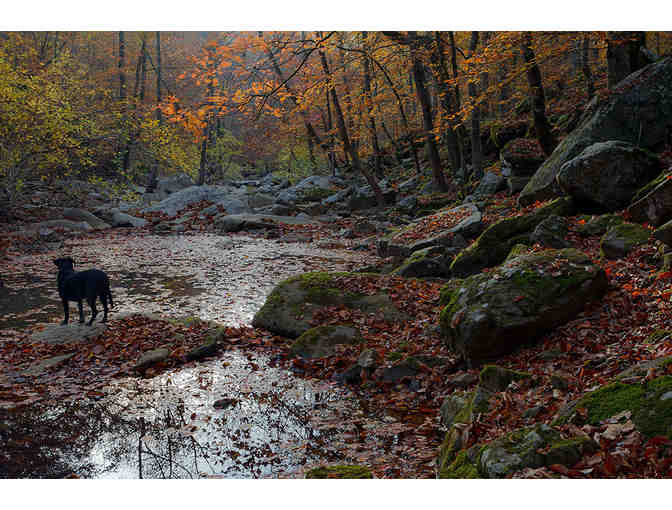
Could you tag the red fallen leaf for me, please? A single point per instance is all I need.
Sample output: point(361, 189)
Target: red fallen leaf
point(518, 298)
point(559, 468)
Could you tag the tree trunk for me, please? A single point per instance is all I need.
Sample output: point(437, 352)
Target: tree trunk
point(623, 55)
point(347, 146)
point(585, 66)
point(461, 130)
point(143, 67)
point(369, 110)
point(541, 125)
point(126, 152)
point(418, 71)
point(476, 148)
point(441, 80)
point(158, 75)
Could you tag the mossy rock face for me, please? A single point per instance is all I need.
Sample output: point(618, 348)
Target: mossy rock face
point(461, 407)
point(322, 340)
point(606, 175)
point(638, 110)
point(491, 314)
point(622, 238)
point(597, 225)
point(495, 378)
point(517, 450)
point(350, 472)
point(493, 245)
point(664, 233)
point(653, 203)
point(650, 403)
point(292, 304)
point(551, 233)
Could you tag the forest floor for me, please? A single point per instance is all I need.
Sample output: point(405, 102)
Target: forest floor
point(391, 427)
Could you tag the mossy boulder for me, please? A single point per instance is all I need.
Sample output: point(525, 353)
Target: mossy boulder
point(530, 447)
point(622, 238)
point(653, 203)
point(292, 304)
point(597, 225)
point(496, 378)
point(606, 175)
point(322, 340)
point(344, 472)
point(493, 245)
point(638, 110)
point(462, 407)
point(521, 157)
point(650, 403)
point(491, 314)
point(463, 222)
point(551, 233)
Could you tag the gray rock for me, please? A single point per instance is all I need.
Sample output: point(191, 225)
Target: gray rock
point(607, 175)
point(232, 201)
point(120, 219)
point(39, 367)
point(490, 184)
point(638, 110)
point(664, 233)
point(168, 185)
point(238, 222)
point(400, 244)
point(364, 198)
point(80, 215)
point(408, 367)
point(516, 184)
point(153, 357)
point(322, 340)
point(622, 238)
point(73, 333)
point(81, 226)
point(551, 233)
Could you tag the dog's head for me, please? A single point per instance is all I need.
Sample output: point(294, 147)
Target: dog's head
point(65, 264)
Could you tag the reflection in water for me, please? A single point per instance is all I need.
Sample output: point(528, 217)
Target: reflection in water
point(169, 426)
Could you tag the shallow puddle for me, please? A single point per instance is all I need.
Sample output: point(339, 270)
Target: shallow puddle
point(232, 417)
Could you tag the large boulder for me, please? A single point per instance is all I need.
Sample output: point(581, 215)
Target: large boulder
point(233, 202)
point(365, 198)
point(490, 184)
point(79, 215)
point(653, 203)
point(292, 304)
point(489, 315)
point(239, 222)
point(521, 158)
point(448, 229)
point(606, 175)
point(638, 110)
point(172, 184)
point(311, 189)
point(496, 242)
point(622, 238)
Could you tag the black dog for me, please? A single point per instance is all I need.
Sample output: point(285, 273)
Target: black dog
point(83, 285)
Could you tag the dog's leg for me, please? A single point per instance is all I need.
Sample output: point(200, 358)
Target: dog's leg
point(103, 299)
point(66, 312)
point(80, 305)
point(92, 305)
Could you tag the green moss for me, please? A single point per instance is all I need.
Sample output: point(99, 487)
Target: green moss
point(343, 472)
point(496, 378)
point(394, 356)
point(517, 250)
point(651, 414)
point(461, 467)
point(657, 336)
point(645, 190)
